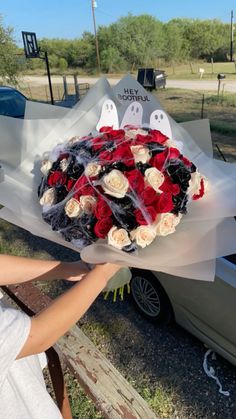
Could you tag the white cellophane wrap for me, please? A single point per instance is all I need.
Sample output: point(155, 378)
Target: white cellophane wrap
point(206, 232)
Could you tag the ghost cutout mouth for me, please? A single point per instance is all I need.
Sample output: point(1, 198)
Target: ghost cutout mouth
point(109, 116)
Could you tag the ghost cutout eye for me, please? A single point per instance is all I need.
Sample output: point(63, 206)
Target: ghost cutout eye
point(162, 116)
point(111, 106)
point(132, 108)
point(107, 106)
point(156, 116)
point(137, 110)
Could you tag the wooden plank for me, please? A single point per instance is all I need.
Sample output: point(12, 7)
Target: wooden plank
point(109, 390)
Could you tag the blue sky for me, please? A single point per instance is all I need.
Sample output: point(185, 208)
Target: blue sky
point(69, 19)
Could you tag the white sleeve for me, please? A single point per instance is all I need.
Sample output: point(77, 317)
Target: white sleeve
point(14, 331)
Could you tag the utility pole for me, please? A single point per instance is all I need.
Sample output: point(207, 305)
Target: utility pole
point(94, 4)
point(232, 37)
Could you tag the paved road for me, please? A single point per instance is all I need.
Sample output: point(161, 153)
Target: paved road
point(204, 85)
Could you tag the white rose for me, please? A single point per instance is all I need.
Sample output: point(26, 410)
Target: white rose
point(118, 237)
point(64, 163)
point(140, 153)
point(46, 166)
point(154, 178)
point(73, 208)
point(143, 235)
point(165, 223)
point(115, 184)
point(195, 183)
point(73, 140)
point(48, 197)
point(87, 203)
point(92, 169)
point(132, 133)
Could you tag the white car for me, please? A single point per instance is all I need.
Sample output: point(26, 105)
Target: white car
point(206, 309)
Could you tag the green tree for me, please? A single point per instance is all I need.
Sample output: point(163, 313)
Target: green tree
point(139, 39)
point(62, 64)
point(9, 63)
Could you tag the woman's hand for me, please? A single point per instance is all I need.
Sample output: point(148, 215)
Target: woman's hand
point(75, 271)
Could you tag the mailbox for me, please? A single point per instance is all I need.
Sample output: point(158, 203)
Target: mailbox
point(220, 76)
point(151, 78)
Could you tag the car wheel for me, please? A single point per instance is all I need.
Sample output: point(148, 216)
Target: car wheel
point(150, 297)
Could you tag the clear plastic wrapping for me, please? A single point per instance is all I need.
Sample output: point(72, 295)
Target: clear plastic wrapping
point(205, 232)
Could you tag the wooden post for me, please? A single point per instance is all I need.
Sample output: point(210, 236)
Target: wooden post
point(203, 102)
point(218, 91)
point(212, 65)
point(77, 94)
point(191, 67)
point(65, 88)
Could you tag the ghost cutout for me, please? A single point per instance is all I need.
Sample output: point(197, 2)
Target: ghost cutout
point(133, 115)
point(159, 121)
point(109, 116)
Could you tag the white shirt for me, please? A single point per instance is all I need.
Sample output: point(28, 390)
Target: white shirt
point(23, 393)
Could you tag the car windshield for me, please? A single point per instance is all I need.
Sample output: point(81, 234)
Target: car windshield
point(12, 104)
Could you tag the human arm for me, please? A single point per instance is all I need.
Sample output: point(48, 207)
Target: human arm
point(15, 270)
point(50, 324)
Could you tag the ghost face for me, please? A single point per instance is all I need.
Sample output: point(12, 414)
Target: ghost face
point(160, 122)
point(133, 115)
point(109, 116)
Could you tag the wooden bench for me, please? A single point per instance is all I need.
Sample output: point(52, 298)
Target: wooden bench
point(109, 390)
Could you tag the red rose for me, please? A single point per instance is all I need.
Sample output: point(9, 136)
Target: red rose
point(173, 153)
point(102, 227)
point(116, 134)
point(83, 187)
point(186, 161)
point(149, 195)
point(63, 156)
point(159, 160)
point(57, 178)
point(123, 154)
point(136, 181)
point(164, 203)
point(142, 139)
point(148, 217)
point(102, 209)
point(201, 191)
point(169, 186)
point(106, 129)
point(97, 143)
point(157, 136)
point(70, 184)
point(105, 156)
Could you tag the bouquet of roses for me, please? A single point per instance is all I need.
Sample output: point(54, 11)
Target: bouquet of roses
point(127, 186)
point(118, 193)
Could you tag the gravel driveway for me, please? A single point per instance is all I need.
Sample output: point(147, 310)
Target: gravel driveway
point(203, 85)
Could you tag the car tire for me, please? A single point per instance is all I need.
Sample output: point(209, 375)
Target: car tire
point(149, 297)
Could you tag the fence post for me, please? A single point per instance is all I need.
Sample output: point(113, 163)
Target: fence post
point(203, 102)
point(65, 87)
point(76, 87)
